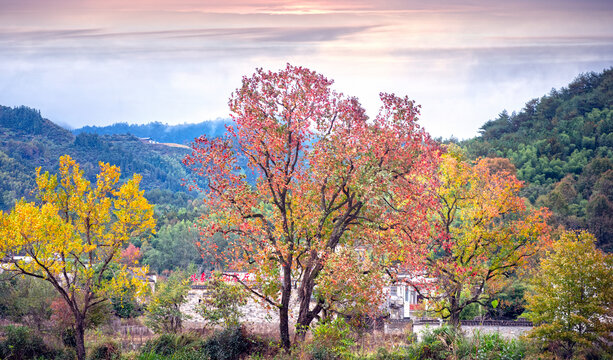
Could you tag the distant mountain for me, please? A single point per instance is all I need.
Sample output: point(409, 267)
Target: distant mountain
point(27, 141)
point(562, 147)
point(162, 133)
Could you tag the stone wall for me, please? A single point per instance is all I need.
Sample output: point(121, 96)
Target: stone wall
point(508, 329)
point(509, 332)
point(256, 314)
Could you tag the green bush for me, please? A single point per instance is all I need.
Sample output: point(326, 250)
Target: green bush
point(22, 343)
point(436, 344)
point(181, 355)
point(322, 353)
point(125, 307)
point(331, 339)
point(161, 345)
point(446, 343)
point(222, 303)
point(163, 313)
point(228, 344)
point(69, 338)
point(384, 354)
point(169, 344)
point(107, 350)
point(495, 347)
point(65, 354)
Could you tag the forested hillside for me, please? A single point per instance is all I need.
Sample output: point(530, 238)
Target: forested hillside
point(164, 133)
point(562, 146)
point(28, 141)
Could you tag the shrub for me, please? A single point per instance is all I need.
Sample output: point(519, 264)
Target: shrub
point(222, 303)
point(181, 355)
point(125, 308)
point(228, 344)
point(331, 339)
point(436, 344)
point(65, 354)
point(163, 313)
point(69, 337)
point(107, 350)
point(161, 345)
point(168, 344)
point(25, 300)
point(494, 346)
point(485, 346)
point(22, 343)
point(446, 343)
point(384, 354)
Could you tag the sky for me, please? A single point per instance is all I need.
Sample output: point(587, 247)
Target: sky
point(97, 62)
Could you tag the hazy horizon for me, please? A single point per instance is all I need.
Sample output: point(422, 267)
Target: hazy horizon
point(93, 62)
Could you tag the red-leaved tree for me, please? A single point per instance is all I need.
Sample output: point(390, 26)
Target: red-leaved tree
point(336, 196)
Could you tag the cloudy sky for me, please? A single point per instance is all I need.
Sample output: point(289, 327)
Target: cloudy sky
point(96, 62)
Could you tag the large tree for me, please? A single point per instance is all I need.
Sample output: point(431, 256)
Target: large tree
point(482, 231)
point(327, 180)
point(73, 237)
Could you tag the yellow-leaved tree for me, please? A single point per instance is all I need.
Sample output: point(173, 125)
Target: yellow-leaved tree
point(73, 235)
point(483, 232)
point(571, 299)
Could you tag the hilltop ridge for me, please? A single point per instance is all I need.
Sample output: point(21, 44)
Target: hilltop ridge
point(182, 134)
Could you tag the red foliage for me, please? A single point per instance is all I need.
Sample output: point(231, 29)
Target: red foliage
point(131, 255)
point(327, 179)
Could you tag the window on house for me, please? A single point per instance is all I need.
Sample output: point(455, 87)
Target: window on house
point(393, 291)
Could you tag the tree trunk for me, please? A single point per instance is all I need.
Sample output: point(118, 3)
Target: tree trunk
point(284, 327)
point(305, 315)
point(80, 338)
point(454, 319)
point(303, 322)
point(286, 292)
point(302, 326)
point(301, 329)
point(454, 312)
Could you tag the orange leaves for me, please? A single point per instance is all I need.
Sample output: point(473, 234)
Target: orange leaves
point(352, 282)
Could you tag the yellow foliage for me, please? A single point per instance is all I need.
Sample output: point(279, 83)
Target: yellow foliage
point(483, 231)
point(74, 234)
